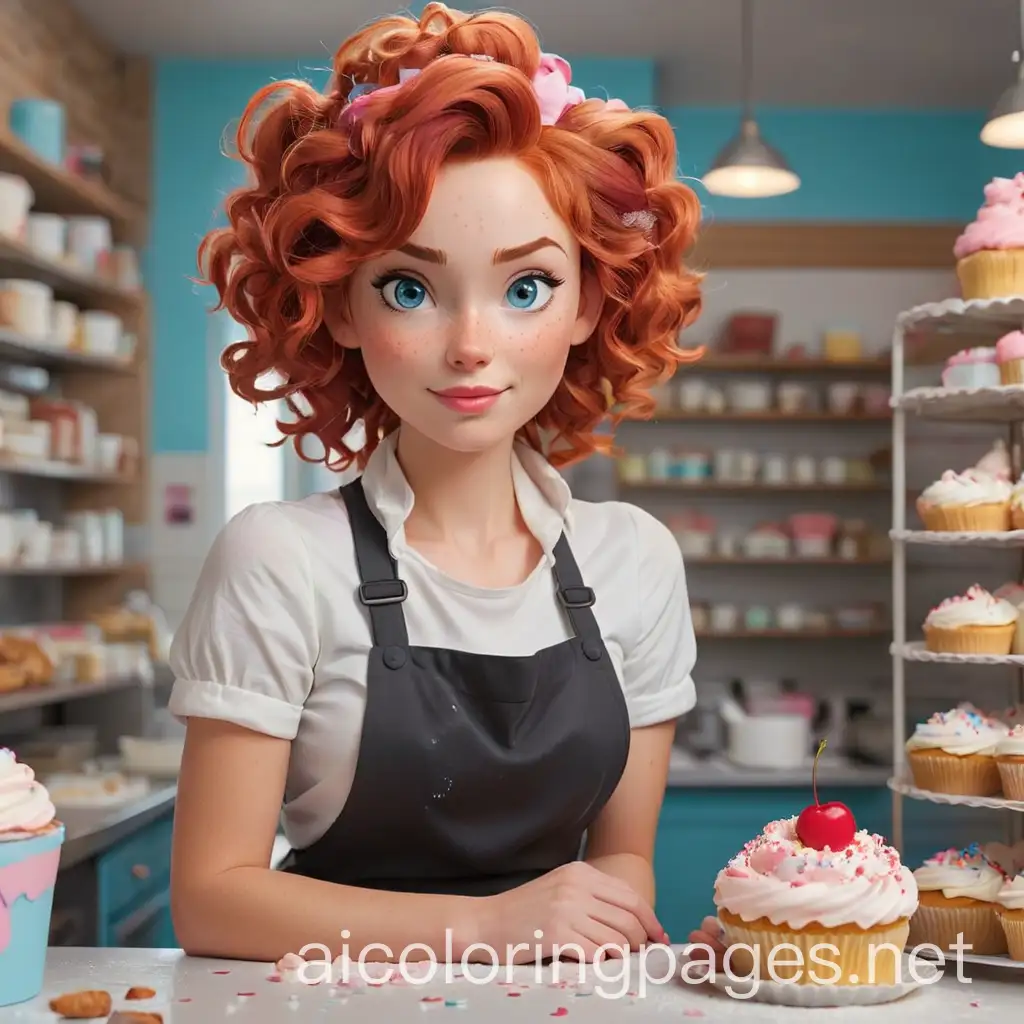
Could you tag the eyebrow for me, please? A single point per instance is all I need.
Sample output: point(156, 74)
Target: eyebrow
point(428, 255)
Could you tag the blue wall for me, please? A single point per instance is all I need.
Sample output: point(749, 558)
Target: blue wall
point(855, 165)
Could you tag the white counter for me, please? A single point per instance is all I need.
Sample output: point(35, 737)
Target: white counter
point(200, 991)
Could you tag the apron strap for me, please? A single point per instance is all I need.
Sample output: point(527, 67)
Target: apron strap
point(380, 588)
point(577, 600)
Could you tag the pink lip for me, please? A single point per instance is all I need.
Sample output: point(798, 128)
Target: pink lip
point(468, 400)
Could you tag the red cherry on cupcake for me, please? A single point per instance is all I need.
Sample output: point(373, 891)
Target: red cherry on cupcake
point(822, 825)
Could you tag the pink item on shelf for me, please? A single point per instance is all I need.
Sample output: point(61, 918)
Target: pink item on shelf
point(782, 704)
point(813, 524)
point(1010, 346)
point(981, 354)
point(1000, 222)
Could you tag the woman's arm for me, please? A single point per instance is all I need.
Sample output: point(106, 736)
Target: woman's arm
point(621, 840)
point(225, 900)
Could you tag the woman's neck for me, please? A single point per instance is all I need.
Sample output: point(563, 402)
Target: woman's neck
point(460, 496)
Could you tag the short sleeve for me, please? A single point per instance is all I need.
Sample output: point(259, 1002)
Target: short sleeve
point(657, 669)
point(246, 648)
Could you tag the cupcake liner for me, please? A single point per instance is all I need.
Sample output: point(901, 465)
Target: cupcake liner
point(1016, 517)
point(1012, 371)
point(970, 639)
point(978, 925)
point(990, 518)
point(1011, 774)
point(1012, 923)
point(991, 274)
point(972, 775)
point(859, 957)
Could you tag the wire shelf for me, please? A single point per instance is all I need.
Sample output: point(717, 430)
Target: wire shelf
point(1002, 404)
point(1002, 539)
point(973, 317)
point(905, 787)
point(916, 651)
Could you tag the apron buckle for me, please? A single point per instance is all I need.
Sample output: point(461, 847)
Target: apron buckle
point(377, 592)
point(577, 597)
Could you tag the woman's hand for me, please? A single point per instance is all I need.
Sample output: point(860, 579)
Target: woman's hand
point(575, 906)
point(710, 935)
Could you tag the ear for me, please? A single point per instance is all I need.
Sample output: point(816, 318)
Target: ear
point(337, 323)
point(589, 311)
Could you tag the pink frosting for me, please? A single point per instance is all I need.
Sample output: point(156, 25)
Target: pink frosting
point(972, 355)
point(1010, 346)
point(1000, 222)
point(29, 878)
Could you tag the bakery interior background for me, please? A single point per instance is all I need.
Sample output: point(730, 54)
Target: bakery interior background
point(774, 473)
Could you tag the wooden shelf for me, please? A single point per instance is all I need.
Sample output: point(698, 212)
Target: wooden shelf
point(18, 260)
point(722, 487)
point(791, 561)
point(17, 348)
point(768, 416)
point(795, 634)
point(58, 571)
point(716, 363)
point(62, 471)
point(60, 693)
point(59, 191)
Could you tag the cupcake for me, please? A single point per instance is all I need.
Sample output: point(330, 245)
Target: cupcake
point(1017, 506)
point(954, 752)
point(990, 251)
point(974, 623)
point(857, 898)
point(30, 842)
point(996, 461)
point(1014, 593)
point(970, 502)
point(1010, 912)
point(971, 368)
point(1009, 755)
point(957, 890)
point(1010, 358)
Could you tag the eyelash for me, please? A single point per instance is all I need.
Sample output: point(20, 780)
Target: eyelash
point(381, 282)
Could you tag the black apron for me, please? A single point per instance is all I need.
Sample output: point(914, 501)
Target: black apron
point(476, 773)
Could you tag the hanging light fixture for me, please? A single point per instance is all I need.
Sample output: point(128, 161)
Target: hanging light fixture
point(748, 167)
point(1004, 128)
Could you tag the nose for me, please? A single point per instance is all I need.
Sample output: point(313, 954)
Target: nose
point(469, 346)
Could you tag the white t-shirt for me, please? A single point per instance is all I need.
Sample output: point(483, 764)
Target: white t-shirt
point(275, 639)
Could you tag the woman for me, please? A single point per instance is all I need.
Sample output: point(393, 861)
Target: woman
point(455, 677)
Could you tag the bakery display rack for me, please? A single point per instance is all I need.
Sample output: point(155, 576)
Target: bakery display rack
point(944, 327)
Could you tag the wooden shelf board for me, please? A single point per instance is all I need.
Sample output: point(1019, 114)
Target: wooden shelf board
point(17, 348)
point(719, 363)
point(769, 416)
point(17, 260)
point(825, 245)
point(715, 486)
point(794, 634)
point(59, 693)
point(61, 571)
point(59, 191)
point(61, 471)
point(825, 560)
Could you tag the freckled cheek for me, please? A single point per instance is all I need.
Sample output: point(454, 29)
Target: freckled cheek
point(541, 346)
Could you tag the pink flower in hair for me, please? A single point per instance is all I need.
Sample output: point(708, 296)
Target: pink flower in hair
point(551, 84)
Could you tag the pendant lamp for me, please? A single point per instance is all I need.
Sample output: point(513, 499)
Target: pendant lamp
point(748, 167)
point(1004, 128)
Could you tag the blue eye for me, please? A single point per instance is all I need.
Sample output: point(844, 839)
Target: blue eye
point(531, 291)
point(402, 293)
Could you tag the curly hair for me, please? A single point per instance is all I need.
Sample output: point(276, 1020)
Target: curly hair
point(329, 190)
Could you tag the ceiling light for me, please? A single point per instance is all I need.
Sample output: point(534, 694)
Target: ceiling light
point(1004, 128)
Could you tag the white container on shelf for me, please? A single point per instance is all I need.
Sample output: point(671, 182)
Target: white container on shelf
point(769, 741)
point(101, 332)
point(16, 199)
point(47, 235)
point(89, 242)
point(112, 522)
point(26, 307)
point(108, 452)
point(64, 324)
point(8, 538)
point(66, 547)
point(89, 527)
point(37, 545)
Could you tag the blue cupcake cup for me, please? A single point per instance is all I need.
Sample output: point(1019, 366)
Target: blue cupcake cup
point(28, 871)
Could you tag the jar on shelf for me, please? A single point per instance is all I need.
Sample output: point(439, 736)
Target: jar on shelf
point(633, 468)
point(659, 464)
point(690, 466)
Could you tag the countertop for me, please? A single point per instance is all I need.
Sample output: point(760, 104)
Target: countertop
point(192, 990)
point(90, 831)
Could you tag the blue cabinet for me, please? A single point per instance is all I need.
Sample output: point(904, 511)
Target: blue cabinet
point(133, 882)
point(701, 829)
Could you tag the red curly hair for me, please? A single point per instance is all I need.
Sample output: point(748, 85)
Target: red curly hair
point(329, 190)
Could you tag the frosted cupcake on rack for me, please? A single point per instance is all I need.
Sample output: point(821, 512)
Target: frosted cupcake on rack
point(1009, 756)
point(975, 622)
point(1010, 358)
point(969, 502)
point(954, 752)
point(972, 368)
point(957, 892)
point(1010, 913)
point(990, 251)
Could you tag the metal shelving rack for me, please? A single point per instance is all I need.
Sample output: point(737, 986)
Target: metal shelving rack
point(947, 325)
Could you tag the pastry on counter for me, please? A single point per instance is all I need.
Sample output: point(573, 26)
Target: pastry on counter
point(975, 622)
point(972, 368)
point(957, 892)
point(788, 887)
point(990, 250)
point(1010, 912)
point(1010, 357)
point(968, 502)
point(1010, 762)
point(954, 751)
